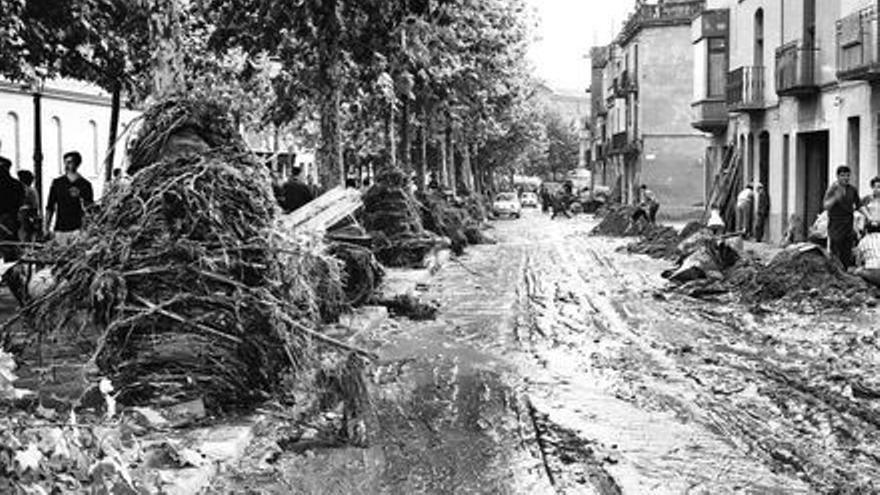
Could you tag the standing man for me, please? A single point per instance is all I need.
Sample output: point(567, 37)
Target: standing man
point(745, 204)
point(295, 193)
point(648, 202)
point(11, 199)
point(841, 202)
point(762, 211)
point(69, 197)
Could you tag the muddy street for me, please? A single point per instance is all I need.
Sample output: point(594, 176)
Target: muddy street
point(559, 365)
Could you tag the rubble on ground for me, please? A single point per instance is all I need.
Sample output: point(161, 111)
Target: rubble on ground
point(802, 276)
point(195, 291)
point(461, 225)
point(393, 217)
point(618, 222)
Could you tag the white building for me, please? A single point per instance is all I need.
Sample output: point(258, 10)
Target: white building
point(75, 117)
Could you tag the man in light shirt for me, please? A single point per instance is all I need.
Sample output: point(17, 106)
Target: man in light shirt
point(745, 207)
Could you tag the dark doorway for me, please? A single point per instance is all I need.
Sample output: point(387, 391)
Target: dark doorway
point(813, 163)
point(764, 159)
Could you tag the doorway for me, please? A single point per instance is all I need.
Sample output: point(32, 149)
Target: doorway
point(764, 159)
point(813, 162)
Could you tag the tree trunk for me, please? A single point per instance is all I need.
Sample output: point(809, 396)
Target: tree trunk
point(390, 141)
point(450, 159)
point(442, 169)
point(330, 162)
point(405, 137)
point(477, 169)
point(467, 173)
point(422, 167)
point(115, 108)
point(165, 33)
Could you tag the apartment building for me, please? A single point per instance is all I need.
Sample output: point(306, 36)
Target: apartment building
point(641, 87)
point(799, 98)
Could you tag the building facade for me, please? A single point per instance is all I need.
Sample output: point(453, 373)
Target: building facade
point(75, 117)
point(641, 93)
point(799, 98)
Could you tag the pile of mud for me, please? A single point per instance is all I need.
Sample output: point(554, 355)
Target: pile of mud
point(802, 276)
point(798, 275)
point(662, 242)
point(619, 222)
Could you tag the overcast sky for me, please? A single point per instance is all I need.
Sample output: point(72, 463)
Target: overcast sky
point(566, 30)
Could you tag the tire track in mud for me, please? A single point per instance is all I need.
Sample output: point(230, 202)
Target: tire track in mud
point(837, 456)
point(576, 311)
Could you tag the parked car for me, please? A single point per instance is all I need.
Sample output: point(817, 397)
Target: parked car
point(507, 204)
point(529, 200)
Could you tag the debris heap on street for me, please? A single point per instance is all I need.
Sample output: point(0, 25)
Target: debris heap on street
point(196, 292)
point(661, 241)
point(618, 222)
point(392, 215)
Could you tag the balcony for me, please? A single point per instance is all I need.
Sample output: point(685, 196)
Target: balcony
point(796, 70)
point(710, 115)
point(660, 14)
point(745, 89)
point(857, 44)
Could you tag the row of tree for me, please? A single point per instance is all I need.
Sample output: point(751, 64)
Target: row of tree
point(435, 87)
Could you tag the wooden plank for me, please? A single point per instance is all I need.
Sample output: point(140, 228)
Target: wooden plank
point(324, 212)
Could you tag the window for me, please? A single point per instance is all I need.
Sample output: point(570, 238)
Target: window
point(56, 149)
point(11, 140)
point(93, 128)
point(718, 65)
point(759, 38)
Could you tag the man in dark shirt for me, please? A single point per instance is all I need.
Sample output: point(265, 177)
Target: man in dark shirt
point(69, 196)
point(841, 202)
point(296, 193)
point(11, 199)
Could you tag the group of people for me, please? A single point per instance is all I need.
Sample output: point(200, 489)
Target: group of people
point(752, 210)
point(850, 223)
point(20, 215)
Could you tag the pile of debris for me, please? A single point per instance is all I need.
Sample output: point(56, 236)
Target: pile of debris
point(393, 218)
point(801, 276)
point(803, 272)
point(196, 292)
point(622, 221)
point(662, 242)
point(461, 225)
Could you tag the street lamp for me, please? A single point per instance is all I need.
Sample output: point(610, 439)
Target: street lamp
point(38, 85)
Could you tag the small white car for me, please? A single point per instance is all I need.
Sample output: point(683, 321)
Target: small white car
point(507, 204)
point(529, 200)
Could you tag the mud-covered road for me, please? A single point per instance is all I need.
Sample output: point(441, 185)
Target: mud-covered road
point(559, 365)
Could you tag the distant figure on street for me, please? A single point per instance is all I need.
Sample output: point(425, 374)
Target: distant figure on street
point(745, 205)
point(11, 199)
point(296, 193)
point(546, 199)
point(762, 211)
point(30, 223)
point(648, 202)
point(69, 197)
point(562, 201)
point(841, 202)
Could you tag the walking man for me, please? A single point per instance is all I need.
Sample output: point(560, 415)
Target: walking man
point(745, 204)
point(841, 202)
point(295, 193)
point(762, 211)
point(69, 197)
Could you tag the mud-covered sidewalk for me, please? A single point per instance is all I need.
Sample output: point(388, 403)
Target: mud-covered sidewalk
point(558, 365)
